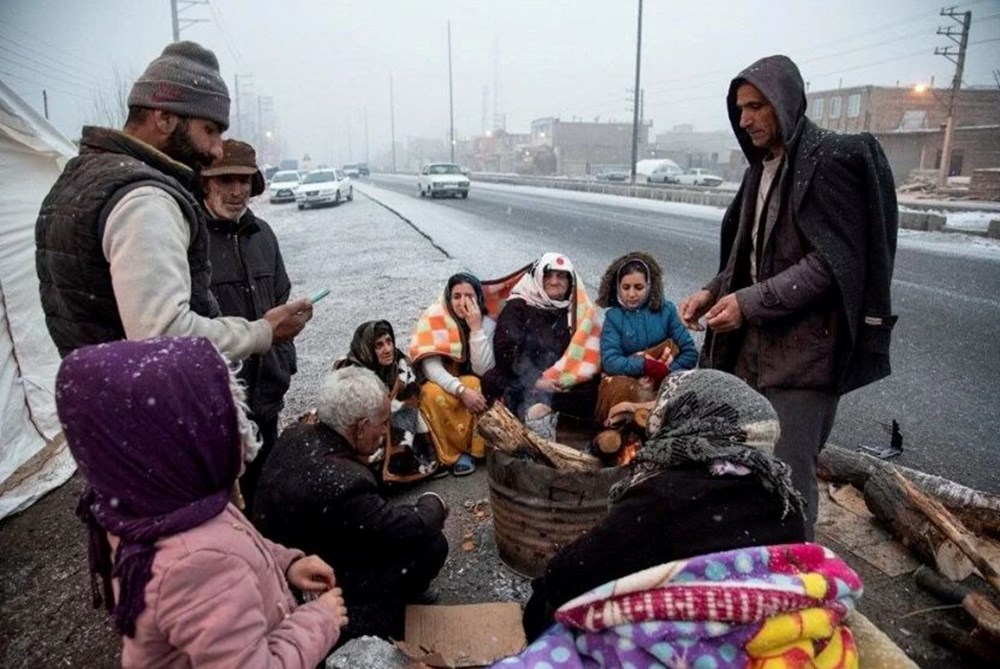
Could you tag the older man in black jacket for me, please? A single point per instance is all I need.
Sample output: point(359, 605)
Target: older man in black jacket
point(248, 279)
point(317, 494)
point(800, 308)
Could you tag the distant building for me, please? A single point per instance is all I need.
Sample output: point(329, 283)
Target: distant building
point(579, 146)
point(499, 151)
point(910, 124)
point(710, 150)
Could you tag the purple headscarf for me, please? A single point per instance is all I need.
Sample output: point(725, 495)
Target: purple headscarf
point(153, 426)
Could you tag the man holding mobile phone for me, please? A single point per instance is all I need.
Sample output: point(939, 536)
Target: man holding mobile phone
point(248, 279)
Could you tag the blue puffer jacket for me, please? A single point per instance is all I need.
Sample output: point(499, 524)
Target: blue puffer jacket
point(628, 331)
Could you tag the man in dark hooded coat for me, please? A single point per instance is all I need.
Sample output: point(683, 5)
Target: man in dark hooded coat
point(800, 308)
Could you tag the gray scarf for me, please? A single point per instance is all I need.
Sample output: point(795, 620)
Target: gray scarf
point(706, 416)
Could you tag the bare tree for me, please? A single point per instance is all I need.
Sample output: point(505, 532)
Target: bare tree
point(110, 104)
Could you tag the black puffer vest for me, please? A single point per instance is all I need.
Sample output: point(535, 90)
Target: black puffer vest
point(74, 277)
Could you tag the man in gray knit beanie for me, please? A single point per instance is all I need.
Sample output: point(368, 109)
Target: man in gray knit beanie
point(184, 80)
point(123, 250)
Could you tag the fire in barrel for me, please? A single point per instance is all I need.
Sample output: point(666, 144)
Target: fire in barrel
point(543, 494)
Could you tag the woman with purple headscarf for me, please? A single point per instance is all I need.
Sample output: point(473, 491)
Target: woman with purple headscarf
point(160, 432)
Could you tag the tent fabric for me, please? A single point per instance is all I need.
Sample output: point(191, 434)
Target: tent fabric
point(33, 454)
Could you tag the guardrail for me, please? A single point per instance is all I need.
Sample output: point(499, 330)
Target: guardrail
point(909, 220)
point(667, 192)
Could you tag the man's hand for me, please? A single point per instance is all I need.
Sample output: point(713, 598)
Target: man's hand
point(473, 317)
point(287, 320)
point(310, 574)
point(726, 315)
point(473, 399)
point(693, 307)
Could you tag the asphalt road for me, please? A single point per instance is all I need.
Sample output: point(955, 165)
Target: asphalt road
point(945, 356)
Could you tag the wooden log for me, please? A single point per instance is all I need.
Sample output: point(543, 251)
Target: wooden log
point(952, 528)
point(979, 511)
point(985, 613)
point(608, 441)
point(503, 431)
point(886, 498)
point(981, 652)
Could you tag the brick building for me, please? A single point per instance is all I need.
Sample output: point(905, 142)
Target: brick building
point(910, 124)
point(578, 146)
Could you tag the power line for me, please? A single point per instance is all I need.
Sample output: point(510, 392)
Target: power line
point(68, 67)
point(76, 77)
point(63, 80)
point(225, 35)
point(43, 87)
point(53, 47)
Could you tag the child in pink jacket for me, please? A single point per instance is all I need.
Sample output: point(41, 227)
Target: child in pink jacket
point(159, 431)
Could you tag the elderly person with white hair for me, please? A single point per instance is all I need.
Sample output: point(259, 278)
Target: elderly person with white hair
point(317, 493)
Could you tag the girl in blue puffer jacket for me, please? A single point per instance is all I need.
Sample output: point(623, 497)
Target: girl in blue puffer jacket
point(643, 339)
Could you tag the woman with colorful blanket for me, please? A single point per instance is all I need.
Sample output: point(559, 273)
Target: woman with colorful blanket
point(453, 347)
point(534, 331)
point(160, 432)
point(643, 338)
point(704, 481)
point(409, 454)
point(764, 607)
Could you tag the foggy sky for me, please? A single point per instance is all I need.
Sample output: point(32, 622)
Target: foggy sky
point(324, 62)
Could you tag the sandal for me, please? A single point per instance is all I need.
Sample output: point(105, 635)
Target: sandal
point(465, 465)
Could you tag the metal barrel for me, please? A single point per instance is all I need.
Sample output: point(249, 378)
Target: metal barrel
point(538, 509)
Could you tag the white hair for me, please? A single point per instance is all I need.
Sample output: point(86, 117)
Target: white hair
point(250, 441)
point(349, 394)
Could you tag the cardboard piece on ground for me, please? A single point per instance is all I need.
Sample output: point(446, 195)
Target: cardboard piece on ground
point(844, 517)
point(466, 635)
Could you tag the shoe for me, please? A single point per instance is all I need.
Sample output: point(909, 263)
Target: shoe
point(439, 473)
point(465, 465)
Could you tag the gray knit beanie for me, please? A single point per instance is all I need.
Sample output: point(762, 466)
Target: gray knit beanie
point(184, 80)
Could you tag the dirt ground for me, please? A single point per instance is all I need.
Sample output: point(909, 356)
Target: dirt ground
point(46, 618)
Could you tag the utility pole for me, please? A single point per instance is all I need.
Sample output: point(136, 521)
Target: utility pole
point(392, 125)
point(350, 150)
point(451, 98)
point(367, 152)
point(45, 103)
point(179, 24)
point(956, 85)
point(635, 103)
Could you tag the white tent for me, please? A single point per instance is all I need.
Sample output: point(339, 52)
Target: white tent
point(33, 454)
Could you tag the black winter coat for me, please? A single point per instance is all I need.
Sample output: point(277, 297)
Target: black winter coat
point(679, 513)
point(313, 495)
point(837, 202)
point(248, 279)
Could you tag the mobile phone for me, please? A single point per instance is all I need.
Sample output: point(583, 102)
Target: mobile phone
point(319, 295)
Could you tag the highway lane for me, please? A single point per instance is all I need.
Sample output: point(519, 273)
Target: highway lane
point(946, 290)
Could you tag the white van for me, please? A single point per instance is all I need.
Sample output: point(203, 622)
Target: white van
point(658, 171)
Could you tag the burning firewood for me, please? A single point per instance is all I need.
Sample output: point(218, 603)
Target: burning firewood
point(503, 431)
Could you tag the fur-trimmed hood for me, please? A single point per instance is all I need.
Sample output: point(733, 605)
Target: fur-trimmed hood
point(607, 296)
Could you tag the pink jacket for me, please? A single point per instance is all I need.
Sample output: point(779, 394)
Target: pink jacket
point(218, 598)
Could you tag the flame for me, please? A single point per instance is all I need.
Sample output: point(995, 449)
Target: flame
point(628, 451)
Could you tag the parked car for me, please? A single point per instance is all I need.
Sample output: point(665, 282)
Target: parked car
point(282, 187)
point(697, 176)
point(664, 174)
point(613, 173)
point(330, 186)
point(657, 168)
point(443, 180)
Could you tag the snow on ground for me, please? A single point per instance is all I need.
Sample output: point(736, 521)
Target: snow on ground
point(962, 220)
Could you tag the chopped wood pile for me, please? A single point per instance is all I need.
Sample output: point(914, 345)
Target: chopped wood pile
point(949, 527)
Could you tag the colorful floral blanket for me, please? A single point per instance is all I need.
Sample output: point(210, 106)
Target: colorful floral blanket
point(776, 607)
point(437, 333)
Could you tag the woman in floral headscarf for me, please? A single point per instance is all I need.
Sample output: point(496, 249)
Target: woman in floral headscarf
point(533, 332)
point(704, 481)
point(160, 432)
